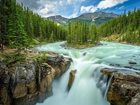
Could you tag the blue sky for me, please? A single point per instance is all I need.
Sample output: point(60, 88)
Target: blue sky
point(74, 8)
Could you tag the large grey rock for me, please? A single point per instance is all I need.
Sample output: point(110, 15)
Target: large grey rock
point(123, 88)
point(135, 100)
point(30, 82)
point(59, 63)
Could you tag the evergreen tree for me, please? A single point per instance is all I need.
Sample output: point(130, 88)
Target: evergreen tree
point(16, 33)
point(52, 39)
point(4, 14)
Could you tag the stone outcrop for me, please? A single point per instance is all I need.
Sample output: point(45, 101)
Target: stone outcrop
point(59, 63)
point(30, 82)
point(71, 78)
point(124, 88)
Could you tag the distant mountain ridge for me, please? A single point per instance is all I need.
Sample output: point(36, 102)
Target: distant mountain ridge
point(92, 16)
point(58, 19)
point(97, 18)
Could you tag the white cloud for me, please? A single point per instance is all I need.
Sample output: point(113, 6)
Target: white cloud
point(73, 15)
point(47, 10)
point(102, 5)
point(121, 7)
point(109, 3)
point(69, 8)
point(50, 7)
point(56, 7)
point(69, 1)
point(74, 1)
point(74, 7)
point(88, 9)
point(61, 3)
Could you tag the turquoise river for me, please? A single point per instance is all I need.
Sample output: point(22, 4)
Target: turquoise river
point(90, 86)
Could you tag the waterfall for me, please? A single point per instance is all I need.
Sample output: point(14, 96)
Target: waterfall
point(90, 87)
point(110, 79)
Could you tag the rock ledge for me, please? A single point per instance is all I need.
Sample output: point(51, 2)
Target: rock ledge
point(124, 88)
point(30, 82)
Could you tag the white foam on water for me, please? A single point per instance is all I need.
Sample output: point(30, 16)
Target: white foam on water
point(90, 86)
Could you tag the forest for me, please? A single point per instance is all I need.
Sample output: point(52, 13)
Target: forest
point(125, 28)
point(20, 27)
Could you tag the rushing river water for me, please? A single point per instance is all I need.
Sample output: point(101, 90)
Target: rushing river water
point(90, 86)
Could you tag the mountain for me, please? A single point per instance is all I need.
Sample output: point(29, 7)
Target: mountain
point(59, 19)
point(91, 18)
point(96, 15)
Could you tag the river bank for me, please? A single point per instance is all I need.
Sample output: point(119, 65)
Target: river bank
point(29, 80)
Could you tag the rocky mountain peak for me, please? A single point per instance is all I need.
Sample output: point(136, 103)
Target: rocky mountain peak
point(102, 15)
point(96, 17)
point(58, 19)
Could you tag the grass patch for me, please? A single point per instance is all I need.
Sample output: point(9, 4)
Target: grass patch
point(12, 58)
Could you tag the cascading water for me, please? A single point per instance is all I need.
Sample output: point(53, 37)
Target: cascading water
point(89, 87)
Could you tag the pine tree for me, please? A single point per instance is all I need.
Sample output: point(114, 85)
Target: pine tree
point(28, 23)
point(16, 33)
point(4, 14)
point(51, 37)
point(93, 32)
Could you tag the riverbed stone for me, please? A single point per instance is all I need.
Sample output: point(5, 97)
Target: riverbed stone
point(71, 78)
point(132, 62)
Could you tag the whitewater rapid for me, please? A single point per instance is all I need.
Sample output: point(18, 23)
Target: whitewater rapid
point(90, 86)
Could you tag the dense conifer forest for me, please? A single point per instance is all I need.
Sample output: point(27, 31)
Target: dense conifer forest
point(125, 28)
point(21, 27)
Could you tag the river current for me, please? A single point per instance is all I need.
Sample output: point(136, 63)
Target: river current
point(90, 86)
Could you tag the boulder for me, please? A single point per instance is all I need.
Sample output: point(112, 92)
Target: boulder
point(84, 53)
point(59, 63)
point(124, 88)
point(71, 78)
point(132, 62)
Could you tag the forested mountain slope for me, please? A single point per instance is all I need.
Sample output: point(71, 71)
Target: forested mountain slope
point(20, 27)
point(91, 18)
point(125, 28)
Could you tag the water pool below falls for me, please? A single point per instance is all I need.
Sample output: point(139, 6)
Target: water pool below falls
point(90, 86)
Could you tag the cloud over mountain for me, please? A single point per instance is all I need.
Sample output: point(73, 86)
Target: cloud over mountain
point(101, 5)
point(109, 3)
point(69, 8)
point(88, 9)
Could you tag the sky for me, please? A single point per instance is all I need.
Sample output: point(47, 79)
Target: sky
point(74, 8)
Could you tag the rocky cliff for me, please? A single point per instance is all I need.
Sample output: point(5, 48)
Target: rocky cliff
point(29, 82)
point(124, 88)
